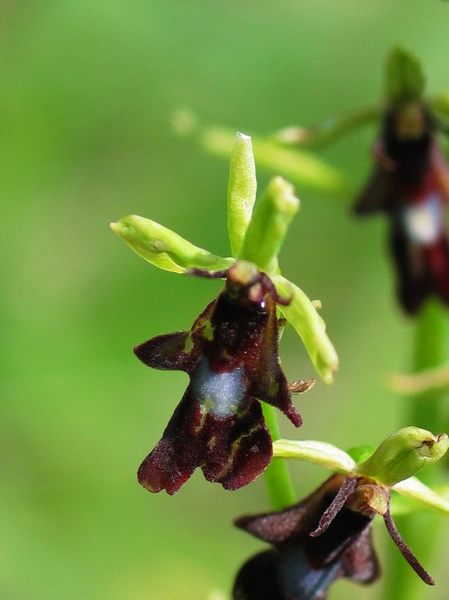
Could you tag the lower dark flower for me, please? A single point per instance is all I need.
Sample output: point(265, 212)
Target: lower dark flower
point(321, 539)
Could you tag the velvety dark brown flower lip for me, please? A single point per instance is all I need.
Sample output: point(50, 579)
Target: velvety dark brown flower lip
point(301, 567)
point(320, 539)
point(231, 356)
point(410, 184)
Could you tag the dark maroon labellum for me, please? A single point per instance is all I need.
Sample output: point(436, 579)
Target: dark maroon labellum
point(301, 567)
point(319, 540)
point(410, 183)
point(231, 356)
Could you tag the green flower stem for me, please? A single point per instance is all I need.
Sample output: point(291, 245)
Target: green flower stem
point(277, 476)
point(424, 410)
point(329, 131)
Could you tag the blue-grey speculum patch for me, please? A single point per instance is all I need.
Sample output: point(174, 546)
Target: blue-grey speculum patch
point(424, 222)
point(219, 393)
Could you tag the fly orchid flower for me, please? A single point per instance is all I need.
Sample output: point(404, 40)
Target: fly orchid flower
point(231, 352)
point(410, 183)
point(231, 356)
point(328, 535)
point(301, 567)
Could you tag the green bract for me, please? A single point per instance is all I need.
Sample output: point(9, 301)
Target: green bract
point(416, 490)
point(320, 453)
point(404, 453)
point(404, 77)
point(255, 236)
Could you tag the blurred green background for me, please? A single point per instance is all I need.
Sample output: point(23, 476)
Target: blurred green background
point(88, 87)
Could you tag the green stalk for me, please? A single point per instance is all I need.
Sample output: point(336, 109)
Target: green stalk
point(277, 476)
point(430, 342)
point(424, 410)
point(331, 130)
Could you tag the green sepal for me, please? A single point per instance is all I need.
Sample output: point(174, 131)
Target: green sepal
point(302, 314)
point(415, 489)
point(164, 248)
point(361, 453)
point(316, 452)
point(405, 79)
point(242, 187)
point(402, 454)
point(268, 226)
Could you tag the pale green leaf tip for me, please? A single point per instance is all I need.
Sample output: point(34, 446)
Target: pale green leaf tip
point(404, 453)
point(242, 138)
point(122, 227)
point(283, 194)
point(328, 374)
point(165, 249)
point(405, 79)
point(317, 452)
point(415, 489)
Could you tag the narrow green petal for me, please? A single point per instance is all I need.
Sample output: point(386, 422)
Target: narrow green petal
point(164, 248)
point(415, 489)
point(320, 453)
point(242, 186)
point(302, 314)
point(302, 167)
point(268, 226)
point(360, 453)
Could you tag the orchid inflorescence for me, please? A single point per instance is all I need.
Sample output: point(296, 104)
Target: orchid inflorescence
point(231, 352)
point(223, 423)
